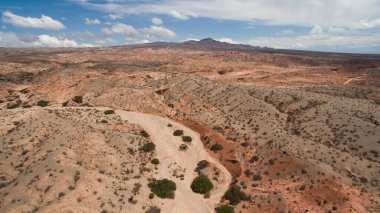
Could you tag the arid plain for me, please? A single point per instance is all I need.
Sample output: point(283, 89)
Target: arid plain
point(293, 131)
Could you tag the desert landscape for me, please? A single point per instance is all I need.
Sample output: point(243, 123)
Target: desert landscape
point(195, 126)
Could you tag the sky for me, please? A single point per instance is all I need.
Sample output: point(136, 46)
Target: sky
point(321, 25)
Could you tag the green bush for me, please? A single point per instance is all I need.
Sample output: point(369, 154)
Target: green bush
point(155, 161)
point(144, 133)
point(163, 188)
point(256, 177)
point(153, 209)
point(187, 139)
point(148, 147)
point(201, 165)
point(254, 159)
point(109, 112)
point(13, 105)
point(151, 195)
point(178, 132)
point(201, 184)
point(183, 147)
point(216, 147)
point(78, 99)
point(42, 103)
point(234, 195)
point(225, 209)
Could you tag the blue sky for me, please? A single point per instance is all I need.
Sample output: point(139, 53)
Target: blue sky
point(323, 25)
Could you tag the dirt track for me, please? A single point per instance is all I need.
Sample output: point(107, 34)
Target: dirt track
point(167, 151)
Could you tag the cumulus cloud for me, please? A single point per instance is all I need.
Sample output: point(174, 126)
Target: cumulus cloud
point(329, 39)
point(159, 32)
point(92, 21)
point(45, 22)
point(342, 13)
point(121, 29)
point(227, 40)
point(178, 15)
point(157, 21)
point(10, 39)
point(113, 16)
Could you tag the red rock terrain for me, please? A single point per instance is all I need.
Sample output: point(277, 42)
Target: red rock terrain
point(299, 130)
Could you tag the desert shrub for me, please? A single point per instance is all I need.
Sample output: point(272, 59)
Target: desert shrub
point(170, 125)
point(65, 104)
point(183, 147)
point(234, 195)
point(303, 187)
point(144, 133)
point(109, 112)
point(153, 209)
point(13, 105)
point(187, 139)
point(27, 106)
point(201, 184)
point(225, 209)
point(151, 195)
point(256, 177)
point(78, 99)
point(271, 161)
point(42, 103)
point(216, 147)
point(163, 188)
point(201, 165)
point(178, 132)
point(148, 147)
point(254, 159)
point(104, 121)
point(155, 161)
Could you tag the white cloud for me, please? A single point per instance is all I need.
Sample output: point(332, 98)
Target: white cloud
point(287, 32)
point(367, 24)
point(113, 16)
point(227, 40)
point(121, 29)
point(145, 41)
point(341, 13)
point(10, 39)
point(330, 39)
point(45, 22)
point(157, 21)
point(191, 39)
point(159, 32)
point(317, 30)
point(178, 15)
point(92, 21)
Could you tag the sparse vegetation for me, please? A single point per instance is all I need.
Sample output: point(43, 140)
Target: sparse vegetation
point(149, 147)
point(234, 195)
point(187, 139)
point(178, 132)
point(42, 103)
point(155, 161)
point(216, 147)
point(201, 184)
point(183, 147)
point(78, 99)
point(202, 165)
point(224, 209)
point(144, 133)
point(109, 112)
point(163, 188)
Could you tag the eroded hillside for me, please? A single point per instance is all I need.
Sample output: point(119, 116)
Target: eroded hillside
point(297, 131)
